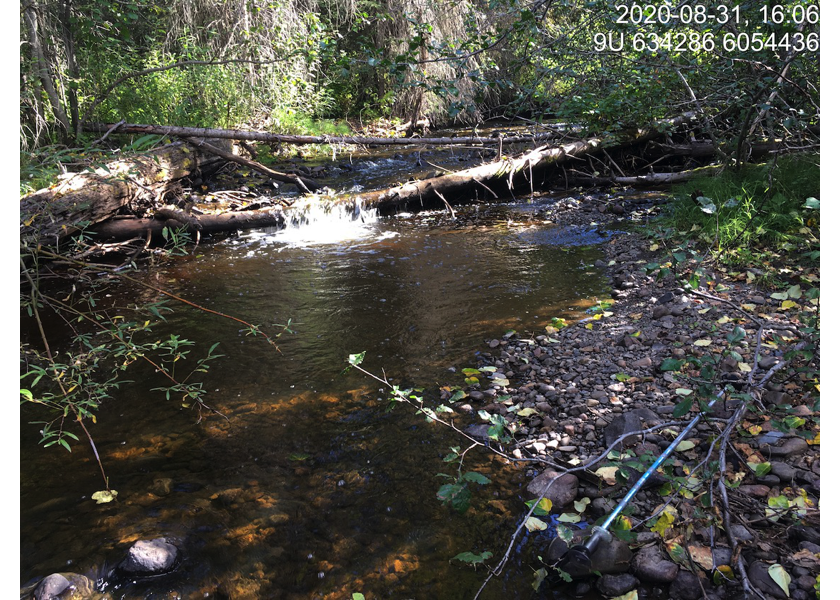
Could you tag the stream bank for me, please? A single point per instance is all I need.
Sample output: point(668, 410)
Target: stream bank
point(583, 386)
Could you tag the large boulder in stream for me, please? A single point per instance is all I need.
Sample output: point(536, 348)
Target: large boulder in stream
point(150, 557)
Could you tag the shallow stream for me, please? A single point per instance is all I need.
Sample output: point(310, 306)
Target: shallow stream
point(309, 488)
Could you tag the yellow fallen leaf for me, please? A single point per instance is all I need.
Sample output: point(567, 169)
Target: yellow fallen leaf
point(702, 555)
point(815, 441)
point(104, 496)
point(703, 343)
point(744, 367)
point(748, 307)
point(607, 474)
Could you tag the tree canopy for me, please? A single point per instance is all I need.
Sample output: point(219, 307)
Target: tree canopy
point(750, 69)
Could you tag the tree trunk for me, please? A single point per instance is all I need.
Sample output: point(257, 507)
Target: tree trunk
point(48, 216)
point(72, 67)
point(44, 72)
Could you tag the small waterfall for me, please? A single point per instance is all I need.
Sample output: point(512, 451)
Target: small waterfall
point(318, 221)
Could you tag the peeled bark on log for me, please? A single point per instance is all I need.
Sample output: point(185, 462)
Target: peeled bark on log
point(261, 136)
point(49, 215)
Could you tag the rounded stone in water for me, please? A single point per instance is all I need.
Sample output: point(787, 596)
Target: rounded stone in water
point(150, 556)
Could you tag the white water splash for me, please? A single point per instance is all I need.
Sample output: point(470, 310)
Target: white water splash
point(320, 222)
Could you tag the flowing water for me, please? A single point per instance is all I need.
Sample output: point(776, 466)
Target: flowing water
point(309, 488)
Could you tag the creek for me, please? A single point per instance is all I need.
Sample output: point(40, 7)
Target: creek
point(308, 487)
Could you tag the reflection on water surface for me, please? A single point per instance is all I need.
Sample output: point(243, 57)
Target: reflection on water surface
point(308, 488)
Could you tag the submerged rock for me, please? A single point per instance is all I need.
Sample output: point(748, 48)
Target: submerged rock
point(68, 586)
point(150, 557)
point(51, 586)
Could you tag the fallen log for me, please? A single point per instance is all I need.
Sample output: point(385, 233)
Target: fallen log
point(503, 176)
point(78, 200)
point(127, 227)
point(579, 178)
point(261, 136)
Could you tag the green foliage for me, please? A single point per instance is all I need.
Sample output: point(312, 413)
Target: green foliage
point(473, 559)
point(769, 204)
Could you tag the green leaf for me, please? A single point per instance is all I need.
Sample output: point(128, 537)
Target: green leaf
point(564, 533)
point(542, 509)
point(458, 395)
point(473, 559)
point(737, 335)
point(496, 431)
point(358, 596)
point(356, 359)
point(539, 577)
point(470, 372)
point(780, 576)
point(778, 502)
point(456, 494)
point(671, 364)
point(812, 203)
point(580, 505)
point(622, 377)
point(476, 478)
point(527, 412)
point(569, 518)
point(760, 469)
point(684, 445)
point(683, 407)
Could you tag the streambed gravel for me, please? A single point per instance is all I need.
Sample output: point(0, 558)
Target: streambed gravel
point(568, 393)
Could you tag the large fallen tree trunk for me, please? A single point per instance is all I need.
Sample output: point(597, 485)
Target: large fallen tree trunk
point(126, 227)
point(529, 169)
point(79, 200)
point(261, 136)
point(503, 176)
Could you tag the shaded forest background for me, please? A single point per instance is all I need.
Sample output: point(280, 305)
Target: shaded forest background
point(291, 65)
